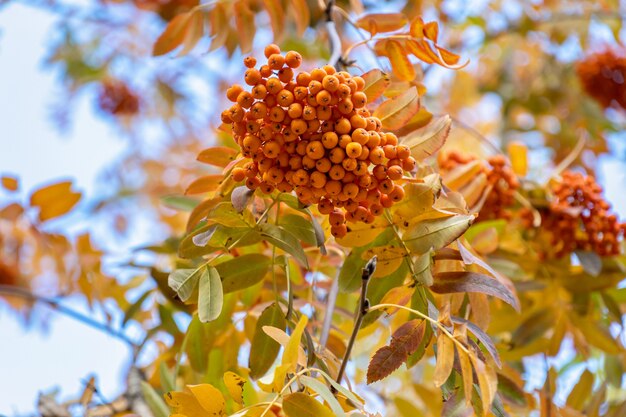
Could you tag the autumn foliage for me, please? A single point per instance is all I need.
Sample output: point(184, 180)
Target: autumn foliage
point(373, 225)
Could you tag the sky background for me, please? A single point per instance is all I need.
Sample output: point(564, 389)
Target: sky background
point(66, 352)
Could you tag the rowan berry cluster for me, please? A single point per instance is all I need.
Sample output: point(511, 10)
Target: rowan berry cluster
point(603, 76)
point(312, 134)
point(500, 177)
point(117, 98)
point(579, 218)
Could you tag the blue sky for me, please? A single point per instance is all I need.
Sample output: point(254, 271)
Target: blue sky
point(66, 352)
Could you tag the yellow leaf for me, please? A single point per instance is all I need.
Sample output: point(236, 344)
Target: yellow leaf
point(381, 22)
point(218, 22)
point(9, 182)
point(445, 359)
point(173, 35)
point(449, 58)
point(395, 112)
point(518, 153)
point(219, 156)
point(184, 404)
point(299, 404)
point(204, 184)
point(301, 14)
point(429, 139)
point(376, 82)
point(209, 398)
point(54, 200)
point(389, 259)
point(400, 63)
point(417, 28)
point(277, 17)
point(234, 384)
point(283, 339)
point(290, 356)
point(421, 50)
point(244, 20)
point(399, 296)
point(487, 382)
point(360, 234)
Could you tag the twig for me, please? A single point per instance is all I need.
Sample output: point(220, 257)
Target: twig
point(476, 134)
point(26, 294)
point(571, 157)
point(364, 305)
point(333, 36)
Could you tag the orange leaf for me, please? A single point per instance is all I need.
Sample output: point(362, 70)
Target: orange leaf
point(395, 112)
point(376, 82)
point(400, 63)
point(417, 28)
point(173, 35)
point(54, 200)
point(194, 32)
point(384, 362)
point(219, 156)
point(409, 335)
point(204, 184)
point(302, 15)
point(382, 22)
point(277, 17)
point(445, 359)
point(449, 58)
point(10, 183)
point(421, 50)
point(218, 22)
point(244, 20)
point(431, 31)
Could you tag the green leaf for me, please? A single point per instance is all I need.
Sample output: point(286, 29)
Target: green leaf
point(264, 349)
point(300, 227)
point(436, 233)
point(211, 296)
point(184, 281)
point(303, 405)
point(243, 271)
point(422, 268)
point(462, 281)
point(350, 273)
point(323, 391)
point(284, 240)
point(180, 202)
point(154, 400)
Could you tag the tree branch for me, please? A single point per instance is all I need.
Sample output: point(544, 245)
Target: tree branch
point(333, 35)
point(26, 294)
point(364, 306)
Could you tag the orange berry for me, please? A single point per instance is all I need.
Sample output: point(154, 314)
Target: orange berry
point(343, 126)
point(380, 172)
point(409, 164)
point(271, 149)
point(244, 99)
point(391, 139)
point(300, 93)
point(360, 214)
point(253, 183)
point(266, 188)
point(386, 186)
point(251, 143)
point(276, 61)
point(317, 179)
point(336, 155)
point(345, 106)
point(330, 140)
point(349, 164)
point(339, 231)
point(337, 172)
point(265, 71)
point(233, 92)
point(333, 187)
point(359, 100)
point(323, 165)
point(284, 187)
point(300, 177)
point(330, 83)
point(315, 150)
point(285, 74)
point(258, 111)
point(343, 91)
point(324, 112)
point(249, 61)
point(273, 85)
point(396, 194)
point(336, 218)
point(298, 126)
point(348, 177)
point(295, 110)
point(351, 190)
point(303, 79)
point(284, 98)
point(238, 174)
point(315, 87)
point(259, 92)
point(325, 206)
point(395, 172)
point(360, 82)
point(318, 75)
point(295, 162)
point(252, 76)
point(353, 150)
point(271, 49)
point(323, 97)
point(277, 114)
point(390, 151)
point(293, 59)
point(275, 175)
point(403, 152)
point(308, 163)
